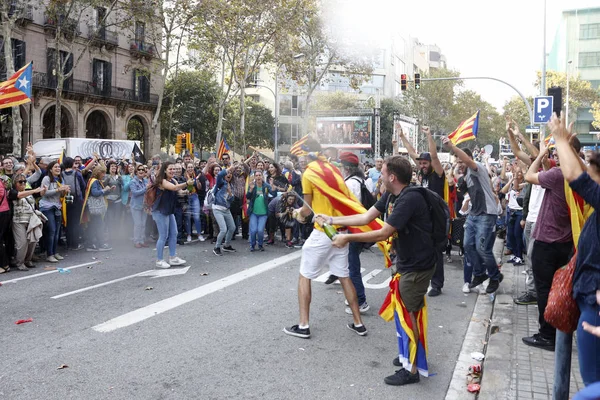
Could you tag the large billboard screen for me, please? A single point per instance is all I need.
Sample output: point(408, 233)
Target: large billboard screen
point(345, 132)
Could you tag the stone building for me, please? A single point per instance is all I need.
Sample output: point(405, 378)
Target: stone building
point(113, 92)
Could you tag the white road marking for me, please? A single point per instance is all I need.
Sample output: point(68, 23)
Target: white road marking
point(49, 272)
point(170, 303)
point(85, 289)
point(366, 278)
point(160, 273)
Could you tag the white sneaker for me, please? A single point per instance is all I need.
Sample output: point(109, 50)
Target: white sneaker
point(189, 238)
point(51, 259)
point(363, 308)
point(162, 264)
point(465, 288)
point(201, 238)
point(58, 257)
point(480, 289)
point(176, 261)
point(346, 302)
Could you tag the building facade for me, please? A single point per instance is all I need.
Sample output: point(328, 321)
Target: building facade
point(113, 91)
point(576, 51)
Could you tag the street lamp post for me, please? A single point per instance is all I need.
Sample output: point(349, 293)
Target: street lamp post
point(276, 111)
point(567, 107)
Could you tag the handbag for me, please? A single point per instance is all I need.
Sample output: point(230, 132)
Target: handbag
point(562, 311)
point(96, 205)
point(458, 231)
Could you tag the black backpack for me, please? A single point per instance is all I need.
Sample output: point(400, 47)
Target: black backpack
point(366, 197)
point(440, 216)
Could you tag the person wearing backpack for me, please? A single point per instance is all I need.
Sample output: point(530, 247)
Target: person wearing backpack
point(411, 222)
point(430, 175)
point(72, 177)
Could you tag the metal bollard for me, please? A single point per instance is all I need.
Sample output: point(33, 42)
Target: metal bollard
point(562, 365)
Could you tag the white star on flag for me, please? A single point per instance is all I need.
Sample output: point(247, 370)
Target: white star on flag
point(23, 82)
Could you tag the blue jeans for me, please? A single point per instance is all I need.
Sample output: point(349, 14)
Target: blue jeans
point(193, 211)
point(588, 345)
point(179, 222)
point(514, 233)
point(167, 227)
point(226, 226)
point(257, 229)
point(467, 269)
point(354, 267)
point(139, 226)
point(479, 244)
point(52, 230)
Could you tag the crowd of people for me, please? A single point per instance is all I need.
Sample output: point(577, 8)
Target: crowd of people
point(76, 204)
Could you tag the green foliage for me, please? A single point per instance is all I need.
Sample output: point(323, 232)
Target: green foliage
point(336, 101)
point(259, 127)
point(194, 105)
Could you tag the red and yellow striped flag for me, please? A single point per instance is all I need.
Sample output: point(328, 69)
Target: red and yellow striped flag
point(579, 212)
point(328, 180)
point(297, 149)
point(411, 350)
point(17, 89)
point(467, 130)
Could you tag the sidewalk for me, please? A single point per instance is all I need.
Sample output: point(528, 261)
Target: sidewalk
point(511, 370)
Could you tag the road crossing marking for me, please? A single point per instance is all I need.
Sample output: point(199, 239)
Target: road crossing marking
point(366, 278)
point(85, 289)
point(170, 303)
point(49, 272)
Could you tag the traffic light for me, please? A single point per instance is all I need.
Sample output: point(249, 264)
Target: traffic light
point(417, 81)
point(178, 143)
point(403, 82)
point(188, 143)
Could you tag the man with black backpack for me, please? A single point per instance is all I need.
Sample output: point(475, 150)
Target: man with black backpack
point(432, 176)
point(414, 224)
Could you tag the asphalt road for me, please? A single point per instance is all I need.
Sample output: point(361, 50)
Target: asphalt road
point(214, 332)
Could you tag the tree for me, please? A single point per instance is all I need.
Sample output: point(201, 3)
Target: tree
point(596, 114)
point(386, 124)
point(193, 107)
point(259, 129)
point(310, 56)
point(336, 101)
point(516, 108)
point(10, 13)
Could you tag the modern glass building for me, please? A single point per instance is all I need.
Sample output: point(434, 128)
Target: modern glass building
point(576, 50)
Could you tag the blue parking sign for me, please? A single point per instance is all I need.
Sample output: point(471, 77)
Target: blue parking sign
point(542, 109)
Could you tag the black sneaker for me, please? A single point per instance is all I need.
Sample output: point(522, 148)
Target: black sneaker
point(331, 279)
point(260, 248)
point(228, 249)
point(494, 284)
point(434, 292)
point(540, 342)
point(295, 330)
point(402, 377)
point(360, 330)
point(396, 362)
point(217, 251)
point(526, 299)
point(478, 280)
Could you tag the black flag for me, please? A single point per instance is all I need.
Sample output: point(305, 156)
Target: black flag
point(138, 155)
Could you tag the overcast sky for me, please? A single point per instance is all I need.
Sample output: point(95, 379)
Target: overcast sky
point(479, 38)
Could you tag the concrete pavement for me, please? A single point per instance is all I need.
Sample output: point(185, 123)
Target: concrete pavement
point(226, 343)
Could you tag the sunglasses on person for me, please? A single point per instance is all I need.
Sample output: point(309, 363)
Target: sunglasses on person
point(21, 182)
point(141, 169)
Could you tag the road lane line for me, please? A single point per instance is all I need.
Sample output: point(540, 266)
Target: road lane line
point(49, 272)
point(85, 289)
point(170, 303)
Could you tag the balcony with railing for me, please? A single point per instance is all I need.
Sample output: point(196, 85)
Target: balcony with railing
point(76, 87)
point(103, 37)
point(139, 49)
point(68, 26)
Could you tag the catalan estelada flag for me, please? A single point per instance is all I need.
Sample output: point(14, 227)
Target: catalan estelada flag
point(16, 90)
point(223, 148)
point(467, 130)
point(328, 180)
point(411, 350)
point(297, 149)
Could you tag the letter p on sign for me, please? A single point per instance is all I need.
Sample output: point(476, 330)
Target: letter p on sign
point(542, 109)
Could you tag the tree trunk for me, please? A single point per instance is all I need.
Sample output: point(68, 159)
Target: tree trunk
point(17, 121)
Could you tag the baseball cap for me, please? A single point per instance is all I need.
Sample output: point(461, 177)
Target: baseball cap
point(425, 156)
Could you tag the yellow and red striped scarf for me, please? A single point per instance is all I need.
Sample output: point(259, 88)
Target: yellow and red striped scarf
point(328, 180)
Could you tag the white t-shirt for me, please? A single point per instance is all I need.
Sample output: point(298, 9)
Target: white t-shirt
point(512, 200)
point(353, 184)
point(535, 202)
